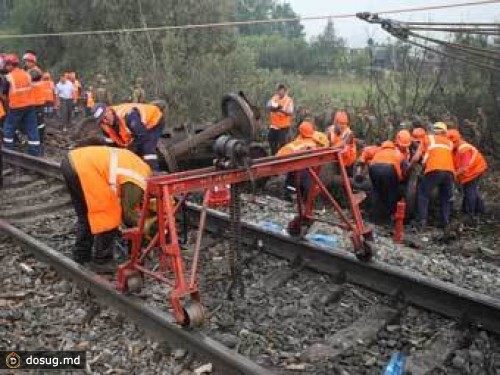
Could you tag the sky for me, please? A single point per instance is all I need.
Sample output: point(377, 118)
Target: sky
point(357, 32)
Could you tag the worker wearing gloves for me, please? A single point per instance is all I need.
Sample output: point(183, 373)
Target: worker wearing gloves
point(307, 139)
point(21, 114)
point(439, 171)
point(133, 125)
point(386, 169)
point(281, 110)
point(106, 185)
point(341, 135)
point(470, 165)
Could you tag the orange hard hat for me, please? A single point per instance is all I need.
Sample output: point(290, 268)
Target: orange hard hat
point(306, 129)
point(388, 144)
point(341, 118)
point(454, 135)
point(418, 133)
point(403, 138)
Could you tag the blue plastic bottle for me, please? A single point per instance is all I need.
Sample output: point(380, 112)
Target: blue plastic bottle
point(396, 365)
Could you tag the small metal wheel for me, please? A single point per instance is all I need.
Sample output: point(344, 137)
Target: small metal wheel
point(366, 253)
point(134, 282)
point(194, 313)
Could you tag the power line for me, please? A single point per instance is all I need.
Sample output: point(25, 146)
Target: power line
point(241, 23)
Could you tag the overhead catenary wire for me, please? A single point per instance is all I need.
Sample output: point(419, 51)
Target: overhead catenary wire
point(240, 23)
point(463, 30)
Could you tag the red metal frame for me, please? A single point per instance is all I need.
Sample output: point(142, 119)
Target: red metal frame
point(163, 189)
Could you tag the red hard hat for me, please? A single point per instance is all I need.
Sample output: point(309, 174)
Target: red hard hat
point(403, 138)
point(306, 129)
point(12, 59)
point(341, 118)
point(29, 57)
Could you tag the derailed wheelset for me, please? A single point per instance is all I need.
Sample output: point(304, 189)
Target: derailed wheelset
point(171, 269)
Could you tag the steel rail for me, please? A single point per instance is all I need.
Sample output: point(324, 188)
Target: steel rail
point(161, 325)
point(431, 294)
point(434, 295)
point(44, 166)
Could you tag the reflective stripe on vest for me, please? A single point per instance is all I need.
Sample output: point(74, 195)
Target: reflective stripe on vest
point(465, 147)
point(114, 172)
point(433, 146)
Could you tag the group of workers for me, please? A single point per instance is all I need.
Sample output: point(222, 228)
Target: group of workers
point(445, 158)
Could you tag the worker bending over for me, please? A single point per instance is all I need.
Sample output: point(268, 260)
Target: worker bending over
point(341, 135)
point(307, 139)
point(386, 168)
point(133, 125)
point(281, 110)
point(439, 171)
point(21, 113)
point(470, 165)
point(106, 185)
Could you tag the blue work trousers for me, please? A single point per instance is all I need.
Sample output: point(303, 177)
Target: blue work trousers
point(443, 180)
point(472, 203)
point(145, 141)
point(22, 119)
point(385, 191)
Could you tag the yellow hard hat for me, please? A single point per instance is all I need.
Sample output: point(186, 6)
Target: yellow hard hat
point(440, 126)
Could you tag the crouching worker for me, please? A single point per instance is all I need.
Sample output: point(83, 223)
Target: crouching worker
point(106, 185)
point(387, 168)
point(470, 165)
point(307, 139)
point(133, 125)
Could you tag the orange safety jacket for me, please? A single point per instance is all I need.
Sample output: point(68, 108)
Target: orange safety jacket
point(77, 92)
point(90, 99)
point(280, 120)
point(48, 91)
point(468, 159)
point(345, 139)
point(150, 114)
point(437, 154)
point(368, 153)
point(20, 89)
point(38, 91)
point(102, 171)
point(122, 137)
point(298, 144)
point(2, 110)
point(389, 156)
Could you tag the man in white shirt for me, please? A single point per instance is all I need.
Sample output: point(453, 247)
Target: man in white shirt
point(64, 93)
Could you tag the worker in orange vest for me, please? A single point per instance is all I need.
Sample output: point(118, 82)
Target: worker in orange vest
point(30, 62)
point(404, 142)
point(134, 125)
point(106, 185)
point(281, 110)
point(48, 93)
point(387, 170)
point(470, 166)
point(21, 114)
point(439, 171)
point(89, 101)
point(341, 135)
point(307, 139)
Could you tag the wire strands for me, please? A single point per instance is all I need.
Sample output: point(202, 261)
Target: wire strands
point(241, 23)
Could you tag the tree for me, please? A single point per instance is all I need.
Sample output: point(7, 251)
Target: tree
point(328, 51)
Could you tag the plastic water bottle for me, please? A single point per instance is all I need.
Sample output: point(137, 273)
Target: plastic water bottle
point(323, 240)
point(396, 365)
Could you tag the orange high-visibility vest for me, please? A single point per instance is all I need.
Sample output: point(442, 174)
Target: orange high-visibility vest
point(150, 114)
point(390, 156)
point(38, 91)
point(77, 90)
point(475, 168)
point(438, 154)
point(102, 171)
point(122, 138)
point(350, 149)
point(368, 153)
point(298, 144)
point(90, 99)
point(48, 91)
point(2, 110)
point(279, 120)
point(20, 89)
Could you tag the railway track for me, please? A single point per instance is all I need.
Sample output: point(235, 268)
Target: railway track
point(304, 305)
